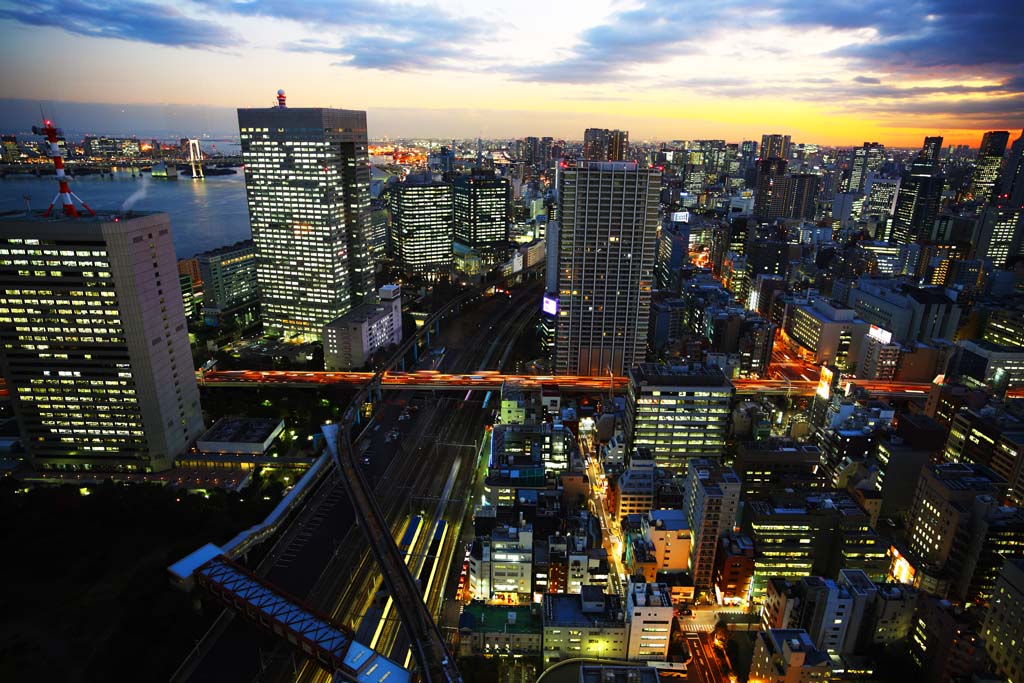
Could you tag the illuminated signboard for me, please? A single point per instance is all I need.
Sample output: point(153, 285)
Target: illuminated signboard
point(681, 217)
point(550, 305)
point(881, 335)
point(825, 383)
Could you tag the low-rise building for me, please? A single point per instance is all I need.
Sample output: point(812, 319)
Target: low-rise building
point(649, 613)
point(499, 629)
point(240, 436)
point(788, 656)
point(656, 541)
point(734, 569)
point(634, 488)
point(591, 624)
point(351, 339)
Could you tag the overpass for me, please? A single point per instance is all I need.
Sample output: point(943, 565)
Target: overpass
point(329, 643)
point(489, 380)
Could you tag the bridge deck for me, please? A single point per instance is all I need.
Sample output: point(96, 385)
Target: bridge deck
point(316, 635)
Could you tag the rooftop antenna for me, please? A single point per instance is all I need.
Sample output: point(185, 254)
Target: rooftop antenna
point(65, 194)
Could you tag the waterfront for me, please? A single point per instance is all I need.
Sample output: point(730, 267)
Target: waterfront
point(204, 214)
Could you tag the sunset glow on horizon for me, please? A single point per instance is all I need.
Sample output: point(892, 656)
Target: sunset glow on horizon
point(829, 73)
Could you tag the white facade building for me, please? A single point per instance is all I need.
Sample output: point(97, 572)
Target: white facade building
point(351, 339)
point(649, 614)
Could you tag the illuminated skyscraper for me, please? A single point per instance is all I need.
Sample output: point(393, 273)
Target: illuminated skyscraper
point(307, 177)
point(1000, 235)
point(771, 192)
point(930, 152)
point(481, 214)
point(607, 240)
point(986, 168)
point(94, 344)
point(867, 159)
point(712, 498)
point(679, 412)
point(421, 222)
point(919, 197)
point(601, 144)
point(1011, 190)
point(775, 146)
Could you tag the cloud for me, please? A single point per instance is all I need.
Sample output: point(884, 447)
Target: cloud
point(951, 35)
point(381, 52)
point(122, 20)
point(382, 35)
point(944, 34)
point(422, 20)
point(655, 32)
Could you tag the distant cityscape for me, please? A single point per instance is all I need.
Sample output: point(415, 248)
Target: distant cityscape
point(515, 410)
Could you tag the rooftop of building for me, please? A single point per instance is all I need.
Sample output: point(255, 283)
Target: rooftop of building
point(682, 375)
point(806, 503)
point(242, 429)
point(618, 673)
point(480, 617)
point(57, 216)
point(987, 348)
point(777, 446)
point(797, 640)
point(360, 314)
point(228, 249)
point(668, 520)
point(566, 609)
point(858, 580)
point(654, 594)
point(964, 476)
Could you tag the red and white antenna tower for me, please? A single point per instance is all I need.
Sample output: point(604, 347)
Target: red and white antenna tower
point(65, 194)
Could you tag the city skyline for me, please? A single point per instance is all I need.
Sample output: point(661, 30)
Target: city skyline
point(833, 75)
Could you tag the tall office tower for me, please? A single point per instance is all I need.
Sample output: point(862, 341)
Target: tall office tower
point(775, 147)
point(1004, 621)
point(544, 150)
point(881, 197)
point(481, 214)
point(607, 239)
point(867, 159)
point(307, 176)
point(601, 144)
point(917, 207)
point(986, 167)
point(531, 150)
point(1000, 235)
point(802, 203)
point(942, 511)
point(1011, 187)
point(230, 286)
point(95, 348)
point(770, 192)
point(421, 222)
point(678, 411)
point(711, 500)
point(928, 157)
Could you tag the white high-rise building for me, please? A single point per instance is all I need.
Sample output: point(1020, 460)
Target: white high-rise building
point(307, 177)
point(608, 228)
point(94, 343)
